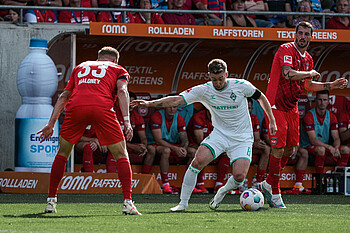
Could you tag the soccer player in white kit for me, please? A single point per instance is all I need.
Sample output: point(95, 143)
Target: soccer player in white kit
point(226, 100)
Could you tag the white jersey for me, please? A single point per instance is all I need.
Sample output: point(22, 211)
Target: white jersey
point(228, 107)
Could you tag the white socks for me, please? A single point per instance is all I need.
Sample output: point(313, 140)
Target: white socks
point(188, 184)
point(231, 184)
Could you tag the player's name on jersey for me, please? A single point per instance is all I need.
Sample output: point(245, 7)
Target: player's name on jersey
point(212, 32)
point(89, 80)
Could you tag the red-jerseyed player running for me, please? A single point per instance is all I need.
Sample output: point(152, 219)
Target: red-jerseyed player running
point(89, 97)
point(291, 71)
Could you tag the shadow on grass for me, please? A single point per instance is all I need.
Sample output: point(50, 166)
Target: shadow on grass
point(49, 216)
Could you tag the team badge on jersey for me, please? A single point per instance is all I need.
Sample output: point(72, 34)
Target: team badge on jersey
point(288, 59)
point(273, 141)
point(233, 96)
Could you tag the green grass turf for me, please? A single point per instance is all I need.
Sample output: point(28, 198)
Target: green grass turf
point(102, 213)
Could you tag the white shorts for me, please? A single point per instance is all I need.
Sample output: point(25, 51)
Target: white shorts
point(219, 143)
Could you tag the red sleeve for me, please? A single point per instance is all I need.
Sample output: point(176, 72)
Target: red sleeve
point(285, 55)
point(138, 120)
point(156, 19)
point(198, 122)
point(308, 122)
point(181, 125)
point(131, 17)
point(103, 17)
point(344, 120)
point(156, 121)
point(334, 122)
point(123, 75)
point(71, 81)
point(91, 15)
point(255, 123)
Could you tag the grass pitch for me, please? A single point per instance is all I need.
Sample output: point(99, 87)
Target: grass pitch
point(102, 213)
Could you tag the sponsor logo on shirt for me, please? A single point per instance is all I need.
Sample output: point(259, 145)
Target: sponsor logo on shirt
point(288, 59)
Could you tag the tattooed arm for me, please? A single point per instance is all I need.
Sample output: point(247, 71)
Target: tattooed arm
point(165, 102)
point(290, 74)
point(319, 86)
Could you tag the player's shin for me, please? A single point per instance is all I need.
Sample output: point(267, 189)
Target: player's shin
point(57, 172)
point(231, 184)
point(188, 184)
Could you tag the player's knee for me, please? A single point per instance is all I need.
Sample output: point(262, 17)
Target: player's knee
point(320, 151)
point(344, 150)
point(198, 163)
point(151, 149)
point(239, 176)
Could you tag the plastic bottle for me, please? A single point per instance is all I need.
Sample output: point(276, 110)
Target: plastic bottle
point(36, 82)
point(331, 189)
point(254, 183)
point(245, 184)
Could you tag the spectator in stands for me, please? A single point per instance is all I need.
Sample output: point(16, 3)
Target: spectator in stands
point(258, 5)
point(340, 22)
point(180, 19)
point(344, 127)
point(138, 144)
point(261, 149)
point(83, 17)
point(114, 16)
point(279, 21)
point(13, 15)
point(215, 19)
point(198, 128)
point(305, 6)
point(168, 130)
point(239, 20)
point(92, 152)
point(193, 5)
point(143, 17)
point(320, 125)
point(160, 4)
point(84, 3)
point(41, 16)
point(280, 5)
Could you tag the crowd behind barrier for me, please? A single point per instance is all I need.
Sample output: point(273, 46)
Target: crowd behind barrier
point(265, 18)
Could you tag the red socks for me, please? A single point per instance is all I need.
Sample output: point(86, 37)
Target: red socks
point(284, 161)
point(88, 162)
point(146, 169)
point(222, 168)
point(125, 176)
point(111, 164)
point(319, 163)
point(343, 160)
point(299, 176)
point(57, 172)
point(260, 174)
point(164, 176)
point(274, 174)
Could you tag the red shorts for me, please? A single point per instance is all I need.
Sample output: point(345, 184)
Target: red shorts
point(329, 159)
point(103, 120)
point(287, 128)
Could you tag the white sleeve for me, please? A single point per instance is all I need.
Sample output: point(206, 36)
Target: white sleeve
point(248, 89)
point(193, 94)
point(30, 17)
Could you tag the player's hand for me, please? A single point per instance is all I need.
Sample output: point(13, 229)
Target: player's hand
point(272, 128)
point(93, 145)
point(128, 132)
point(315, 75)
point(46, 132)
point(336, 153)
point(103, 149)
point(142, 103)
point(340, 83)
point(181, 152)
point(260, 144)
point(142, 149)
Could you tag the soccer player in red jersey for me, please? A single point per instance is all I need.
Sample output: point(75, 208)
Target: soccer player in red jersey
point(89, 96)
point(344, 127)
point(291, 72)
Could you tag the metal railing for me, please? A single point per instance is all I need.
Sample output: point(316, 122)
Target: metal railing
point(124, 10)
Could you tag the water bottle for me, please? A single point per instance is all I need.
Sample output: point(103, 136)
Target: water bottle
point(245, 184)
point(36, 82)
point(254, 183)
point(331, 188)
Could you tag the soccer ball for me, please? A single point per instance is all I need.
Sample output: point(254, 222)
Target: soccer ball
point(251, 200)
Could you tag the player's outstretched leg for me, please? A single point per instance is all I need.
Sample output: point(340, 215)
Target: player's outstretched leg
point(188, 184)
point(230, 185)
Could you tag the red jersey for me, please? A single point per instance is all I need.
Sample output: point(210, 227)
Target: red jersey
point(338, 104)
point(136, 121)
point(255, 123)
point(200, 120)
point(283, 94)
point(114, 17)
point(265, 128)
point(309, 124)
point(155, 18)
point(83, 17)
point(156, 122)
point(44, 16)
point(334, 23)
point(344, 122)
point(95, 83)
